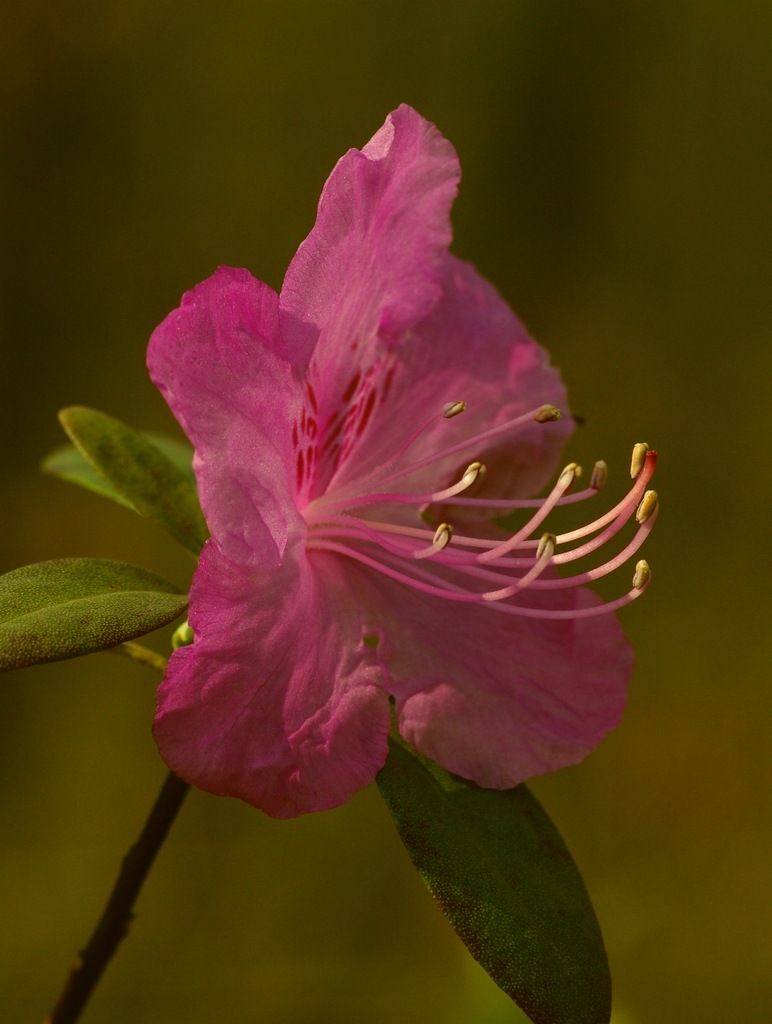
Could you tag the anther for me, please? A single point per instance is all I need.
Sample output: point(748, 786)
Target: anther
point(547, 543)
point(642, 575)
point(453, 409)
point(646, 507)
point(569, 474)
point(442, 536)
point(547, 413)
point(599, 476)
point(471, 473)
point(639, 458)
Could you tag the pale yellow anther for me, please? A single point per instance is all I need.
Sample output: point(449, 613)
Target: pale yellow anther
point(547, 413)
point(642, 574)
point(569, 474)
point(639, 458)
point(547, 543)
point(453, 409)
point(599, 477)
point(473, 472)
point(442, 536)
point(647, 506)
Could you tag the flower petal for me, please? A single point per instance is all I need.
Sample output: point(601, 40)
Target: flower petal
point(218, 361)
point(370, 267)
point(278, 701)
point(496, 698)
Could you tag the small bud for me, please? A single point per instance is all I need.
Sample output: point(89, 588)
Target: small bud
point(182, 636)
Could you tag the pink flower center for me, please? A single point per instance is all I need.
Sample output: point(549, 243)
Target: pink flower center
point(462, 567)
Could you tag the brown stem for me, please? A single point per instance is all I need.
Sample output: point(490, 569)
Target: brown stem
point(114, 924)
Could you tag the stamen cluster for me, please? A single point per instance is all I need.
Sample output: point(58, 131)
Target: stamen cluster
point(460, 567)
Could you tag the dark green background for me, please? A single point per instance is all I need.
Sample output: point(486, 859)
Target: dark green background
point(616, 189)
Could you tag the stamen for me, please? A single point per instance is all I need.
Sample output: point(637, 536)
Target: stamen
point(569, 474)
point(548, 540)
point(513, 504)
point(599, 477)
point(478, 569)
point(647, 506)
point(352, 495)
point(544, 555)
point(472, 567)
point(606, 526)
point(453, 409)
point(633, 496)
point(642, 575)
point(350, 528)
point(450, 410)
point(442, 537)
point(602, 570)
point(472, 472)
point(458, 594)
point(640, 452)
point(547, 414)
point(565, 480)
point(485, 435)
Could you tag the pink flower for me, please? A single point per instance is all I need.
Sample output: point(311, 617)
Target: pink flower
point(326, 437)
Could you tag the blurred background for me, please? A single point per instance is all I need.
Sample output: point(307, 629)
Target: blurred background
point(616, 189)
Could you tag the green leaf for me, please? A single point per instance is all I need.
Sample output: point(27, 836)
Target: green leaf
point(73, 606)
point(154, 479)
point(66, 463)
point(499, 869)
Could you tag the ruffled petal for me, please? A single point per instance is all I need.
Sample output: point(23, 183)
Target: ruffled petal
point(219, 362)
point(495, 698)
point(278, 701)
point(371, 266)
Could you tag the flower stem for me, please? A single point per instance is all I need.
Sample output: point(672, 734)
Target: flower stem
point(142, 654)
point(114, 923)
